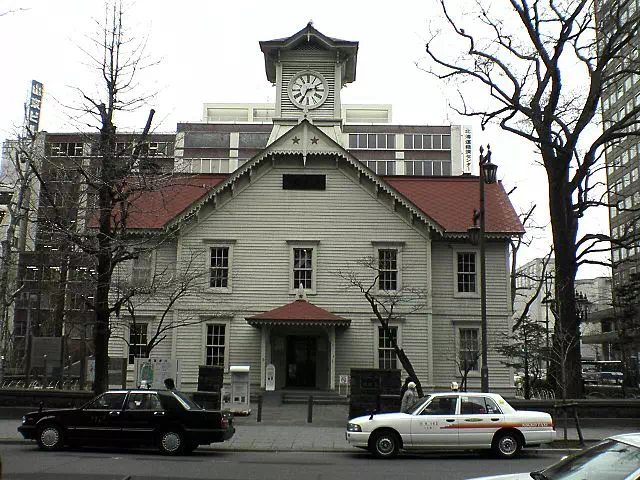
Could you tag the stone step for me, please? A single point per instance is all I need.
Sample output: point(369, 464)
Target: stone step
point(319, 398)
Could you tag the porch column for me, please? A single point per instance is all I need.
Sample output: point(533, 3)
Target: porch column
point(265, 353)
point(332, 358)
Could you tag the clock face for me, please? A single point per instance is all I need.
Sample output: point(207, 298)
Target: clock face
point(308, 89)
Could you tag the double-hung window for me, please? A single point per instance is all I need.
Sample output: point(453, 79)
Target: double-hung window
point(219, 267)
point(137, 341)
point(142, 268)
point(303, 265)
point(215, 346)
point(387, 269)
point(388, 259)
point(466, 273)
point(303, 268)
point(468, 348)
point(386, 353)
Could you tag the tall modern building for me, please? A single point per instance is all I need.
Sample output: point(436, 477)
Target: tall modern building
point(622, 159)
point(231, 134)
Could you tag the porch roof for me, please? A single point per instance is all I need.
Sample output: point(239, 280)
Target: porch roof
point(298, 313)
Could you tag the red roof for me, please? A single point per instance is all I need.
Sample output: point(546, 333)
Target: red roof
point(450, 201)
point(154, 208)
point(299, 312)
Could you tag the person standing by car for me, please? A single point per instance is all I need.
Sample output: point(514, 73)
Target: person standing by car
point(404, 386)
point(409, 398)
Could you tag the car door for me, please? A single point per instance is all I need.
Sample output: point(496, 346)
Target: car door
point(480, 417)
point(435, 425)
point(141, 416)
point(100, 420)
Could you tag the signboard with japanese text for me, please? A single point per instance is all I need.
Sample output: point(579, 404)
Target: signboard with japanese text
point(34, 106)
point(152, 372)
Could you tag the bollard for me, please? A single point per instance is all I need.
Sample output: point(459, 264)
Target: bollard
point(310, 410)
point(259, 408)
point(44, 375)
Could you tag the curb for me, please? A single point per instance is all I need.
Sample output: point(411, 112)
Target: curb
point(214, 447)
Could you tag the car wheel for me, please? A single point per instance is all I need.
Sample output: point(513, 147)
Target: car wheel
point(507, 444)
point(171, 442)
point(50, 437)
point(385, 444)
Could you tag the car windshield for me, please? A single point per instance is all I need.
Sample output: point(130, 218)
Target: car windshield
point(186, 402)
point(608, 460)
point(418, 405)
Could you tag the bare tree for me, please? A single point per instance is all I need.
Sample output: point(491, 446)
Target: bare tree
point(161, 294)
point(466, 362)
point(386, 305)
point(525, 350)
point(112, 181)
point(522, 56)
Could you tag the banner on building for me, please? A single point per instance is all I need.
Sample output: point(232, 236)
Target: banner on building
point(33, 108)
point(152, 372)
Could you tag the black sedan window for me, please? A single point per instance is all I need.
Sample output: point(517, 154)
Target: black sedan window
point(143, 401)
point(107, 401)
point(185, 401)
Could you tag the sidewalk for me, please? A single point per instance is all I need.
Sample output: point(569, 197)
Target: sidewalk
point(285, 428)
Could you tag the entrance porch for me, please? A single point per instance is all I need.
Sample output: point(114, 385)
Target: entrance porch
point(299, 340)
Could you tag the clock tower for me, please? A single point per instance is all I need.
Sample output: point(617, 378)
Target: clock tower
point(309, 70)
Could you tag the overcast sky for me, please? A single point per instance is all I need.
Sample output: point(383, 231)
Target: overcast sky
point(208, 52)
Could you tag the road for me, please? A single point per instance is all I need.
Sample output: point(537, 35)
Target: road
point(21, 462)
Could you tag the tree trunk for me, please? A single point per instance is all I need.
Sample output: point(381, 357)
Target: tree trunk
point(104, 258)
point(406, 364)
point(566, 340)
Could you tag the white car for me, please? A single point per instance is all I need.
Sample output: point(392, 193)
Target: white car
point(452, 421)
point(616, 458)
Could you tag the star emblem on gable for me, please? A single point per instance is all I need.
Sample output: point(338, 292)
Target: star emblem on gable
point(314, 140)
point(295, 140)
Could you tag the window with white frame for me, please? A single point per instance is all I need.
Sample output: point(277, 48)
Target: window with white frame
point(469, 349)
point(382, 167)
point(380, 141)
point(386, 353)
point(142, 268)
point(219, 267)
point(303, 268)
point(209, 165)
point(427, 167)
point(418, 141)
point(466, 272)
point(388, 270)
point(137, 341)
point(215, 344)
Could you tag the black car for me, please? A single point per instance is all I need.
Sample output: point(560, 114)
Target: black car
point(166, 418)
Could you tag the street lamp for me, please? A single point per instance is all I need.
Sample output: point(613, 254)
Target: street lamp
point(477, 236)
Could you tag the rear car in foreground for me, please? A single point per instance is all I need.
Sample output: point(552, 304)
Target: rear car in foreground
point(452, 421)
point(165, 418)
point(616, 458)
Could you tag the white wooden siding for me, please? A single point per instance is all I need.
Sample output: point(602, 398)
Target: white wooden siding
point(345, 220)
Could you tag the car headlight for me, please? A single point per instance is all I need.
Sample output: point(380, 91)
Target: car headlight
point(353, 427)
point(24, 420)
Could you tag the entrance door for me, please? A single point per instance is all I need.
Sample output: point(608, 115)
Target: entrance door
point(301, 362)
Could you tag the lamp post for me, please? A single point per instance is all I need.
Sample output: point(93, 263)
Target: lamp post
point(477, 236)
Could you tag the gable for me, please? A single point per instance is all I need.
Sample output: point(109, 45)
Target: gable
point(299, 144)
point(321, 199)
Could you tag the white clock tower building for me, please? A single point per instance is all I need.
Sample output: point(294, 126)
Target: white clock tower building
point(309, 69)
